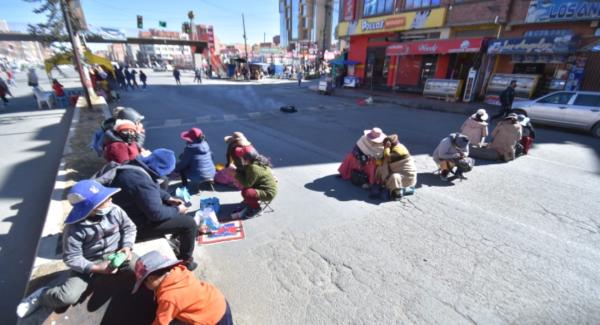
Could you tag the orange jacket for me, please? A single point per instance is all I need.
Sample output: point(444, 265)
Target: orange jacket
point(180, 295)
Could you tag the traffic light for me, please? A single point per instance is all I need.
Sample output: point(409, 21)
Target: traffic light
point(140, 22)
point(162, 24)
point(185, 28)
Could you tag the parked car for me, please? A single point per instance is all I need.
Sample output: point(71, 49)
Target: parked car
point(572, 109)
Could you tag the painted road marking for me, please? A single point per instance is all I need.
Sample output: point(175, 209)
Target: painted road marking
point(173, 122)
point(203, 119)
point(230, 117)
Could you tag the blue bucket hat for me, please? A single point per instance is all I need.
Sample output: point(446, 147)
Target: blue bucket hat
point(85, 196)
point(161, 161)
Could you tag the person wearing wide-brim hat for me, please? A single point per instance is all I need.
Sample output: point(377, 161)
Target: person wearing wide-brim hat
point(237, 140)
point(453, 147)
point(528, 135)
point(476, 128)
point(94, 228)
point(506, 135)
point(398, 172)
point(365, 155)
point(195, 163)
point(178, 294)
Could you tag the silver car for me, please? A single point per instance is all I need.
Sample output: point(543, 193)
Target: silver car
point(573, 109)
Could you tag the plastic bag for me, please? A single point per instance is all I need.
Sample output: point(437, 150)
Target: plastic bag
point(212, 202)
point(184, 194)
point(208, 217)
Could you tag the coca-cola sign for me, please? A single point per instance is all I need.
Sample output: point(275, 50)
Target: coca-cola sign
point(436, 47)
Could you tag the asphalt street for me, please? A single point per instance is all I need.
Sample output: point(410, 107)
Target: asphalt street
point(515, 243)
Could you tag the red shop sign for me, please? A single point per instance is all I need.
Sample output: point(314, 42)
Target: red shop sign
point(465, 45)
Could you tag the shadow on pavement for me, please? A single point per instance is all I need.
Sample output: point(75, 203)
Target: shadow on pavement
point(335, 187)
point(431, 180)
point(29, 182)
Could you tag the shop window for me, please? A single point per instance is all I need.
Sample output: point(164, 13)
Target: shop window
point(413, 4)
point(587, 100)
point(561, 98)
point(378, 7)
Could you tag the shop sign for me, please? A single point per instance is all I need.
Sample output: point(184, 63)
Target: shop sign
point(548, 58)
point(562, 10)
point(548, 33)
point(532, 45)
point(467, 45)
point(349, 7)
point(429, 18)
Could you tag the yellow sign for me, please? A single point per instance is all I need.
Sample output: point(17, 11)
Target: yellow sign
point(429, 18)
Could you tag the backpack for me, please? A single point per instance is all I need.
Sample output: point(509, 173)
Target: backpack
point(106, 175)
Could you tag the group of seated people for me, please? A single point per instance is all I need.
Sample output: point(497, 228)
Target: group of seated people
point(379, 161)
point(127, 201)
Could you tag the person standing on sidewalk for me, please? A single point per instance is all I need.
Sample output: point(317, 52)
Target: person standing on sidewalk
point(94, 228)
point(506, 100)
point(4, 91)
point(198, 76)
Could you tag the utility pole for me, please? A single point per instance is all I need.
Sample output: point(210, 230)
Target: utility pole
point(192, 48)
point(76, 45)
point(245, 45)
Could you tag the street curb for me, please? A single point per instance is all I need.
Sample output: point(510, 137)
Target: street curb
point(48, 242)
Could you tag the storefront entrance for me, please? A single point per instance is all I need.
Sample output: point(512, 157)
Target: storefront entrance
point(376, 73)
point(428, 67)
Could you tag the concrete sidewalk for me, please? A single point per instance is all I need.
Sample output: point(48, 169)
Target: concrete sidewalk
point(32, 147)
point(412, 100)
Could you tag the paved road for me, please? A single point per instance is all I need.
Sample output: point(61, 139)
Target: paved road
point(32, 144)
point(516, 243)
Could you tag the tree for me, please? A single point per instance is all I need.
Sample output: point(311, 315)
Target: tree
point(53, 31)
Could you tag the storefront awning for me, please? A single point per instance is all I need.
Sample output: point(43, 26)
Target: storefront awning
point(534, 45)
point(443, 46)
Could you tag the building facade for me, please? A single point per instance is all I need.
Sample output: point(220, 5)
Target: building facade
point(173, 54)
point(20, 52)
point(306, 22)
point(470, 49)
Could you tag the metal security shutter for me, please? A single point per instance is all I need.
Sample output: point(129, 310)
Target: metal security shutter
point(591, 79)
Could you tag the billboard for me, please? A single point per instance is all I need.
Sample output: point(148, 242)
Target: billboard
point(541, 11)
point(429, 18)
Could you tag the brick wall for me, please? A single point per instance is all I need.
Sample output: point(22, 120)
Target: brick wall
point(477, 12)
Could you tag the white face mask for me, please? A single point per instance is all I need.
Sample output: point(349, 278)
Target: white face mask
point(104, 211)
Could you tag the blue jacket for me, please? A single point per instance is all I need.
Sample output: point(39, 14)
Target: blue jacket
point(196, 162)
point(140, 196)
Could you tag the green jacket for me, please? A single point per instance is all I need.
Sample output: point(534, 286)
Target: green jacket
point(259, 178)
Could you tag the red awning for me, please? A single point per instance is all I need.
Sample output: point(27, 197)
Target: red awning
point(444, 46)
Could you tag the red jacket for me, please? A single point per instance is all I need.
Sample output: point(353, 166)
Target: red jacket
point(181, 296)
point(121, 152)
point(58, 90)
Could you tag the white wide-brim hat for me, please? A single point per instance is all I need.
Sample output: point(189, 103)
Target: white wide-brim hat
point(375, 135)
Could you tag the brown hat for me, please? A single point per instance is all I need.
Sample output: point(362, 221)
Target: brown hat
point(238, 137)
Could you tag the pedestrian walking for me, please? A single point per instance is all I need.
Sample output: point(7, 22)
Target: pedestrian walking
point(134, 78)
point(506, 99)
point(299, 77)
point(177, 76)
point(121, 78)
point(4, 91)
point(128, 78)
point(198, 76)
point(143, 79)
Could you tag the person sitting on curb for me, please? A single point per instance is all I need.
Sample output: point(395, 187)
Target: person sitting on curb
point(476, 128)
point(120, 143)
point(196, 162)
point(255, 176)
point(452, 148)
point(179, 295)
point(528, 133)
point(154, 211)
point(505, 137)
point(398, 173)
point(95, 228)
point(365, 157)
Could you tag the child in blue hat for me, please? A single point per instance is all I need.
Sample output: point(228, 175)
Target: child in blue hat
point(94, 229)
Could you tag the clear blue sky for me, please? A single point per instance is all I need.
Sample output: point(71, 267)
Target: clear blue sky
point(262, 16)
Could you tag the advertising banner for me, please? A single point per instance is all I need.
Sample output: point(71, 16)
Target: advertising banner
point(466, 45)
point(533, 45)
point(429, 18)
point(349, 8)
point(562, 10)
